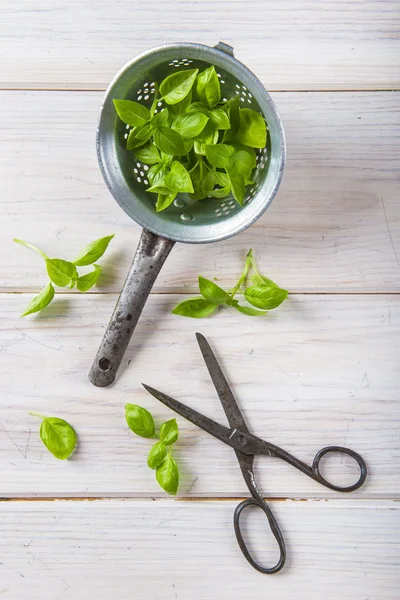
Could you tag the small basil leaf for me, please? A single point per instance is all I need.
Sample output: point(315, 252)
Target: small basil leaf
point(190, 125)
point(167, 475)
point(178, 85)
point(188, 145)
point(221, 178)
point(148, 154)
point(212, 292)
point(161, 119)
point(61, 271)
point(252, 129)
point(156, 455)
point(197, 308)
point(199, 147)
point(132, 113)
point(178, 179)
point(209, 135)
point(138, 136)
point(169, 432)
point(169, 141)
point(221, 192)
point(219, 155)
point(198, 107)
point(139, 420)
point(40, 301)
point(156, 174)
point(159, 188)
point(208, 87)
point(219, 118)
point(85, 282)
point(243, 162)
point(261, 280)
point(180, 107)
point(233, 119)
point(165, 200)
point(208, 182)
point(237, 184)
point(266, 297)
point(58, 436)
point(93, 251)
point(251, 312)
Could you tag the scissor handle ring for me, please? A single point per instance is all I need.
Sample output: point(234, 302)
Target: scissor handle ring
point(274, 528)
point(359, 459)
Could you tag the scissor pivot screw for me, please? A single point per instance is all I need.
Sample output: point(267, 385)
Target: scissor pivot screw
point(240, 440)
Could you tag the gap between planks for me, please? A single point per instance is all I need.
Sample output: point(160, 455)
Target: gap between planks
point(270, 89)
point(119, 498)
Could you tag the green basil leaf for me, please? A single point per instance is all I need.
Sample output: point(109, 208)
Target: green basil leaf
point(234, 120)
point(208, 87)
point(58, 436)
point(261, 280)
point(61, 271)
point(178, 179)
point(139, 136)
point(219, 118)
point(188, 145)
point(169, 432)
point(139, 420)
point(198, 107)
point(161, 119)
point(199, 147)
point(221, 178)
point(167, 475)
point(93, 251)
point(221, 192)
point(190, 125)
point(243, 161)
point(251, 312)
point(148, 154)
point(252, 129)
point(197, 308)
point(178, 85)
point(265, 297)
point(180, 107)
point(169, 141)
point(85, 282)
point(208, 182)
point(156, 174)
point(40, 301)
point(159, 188)
point(212, 292)
point(165, 200)
point(219, 155)
point(132, 113)
point(156, 455)
point(237, 184)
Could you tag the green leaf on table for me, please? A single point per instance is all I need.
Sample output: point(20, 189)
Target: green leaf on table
point(61, 272)
point(219, 118)
point(57, 435)
point(161, 119)
point(236, 181)
point(178, 179)
point(169, 432)
point(251, 312)
point(169, 141)
point(139, 420)
point(178, 85)
point(139, 136)
point(197, 308)
point(148, 154)
point(190, 125)
point(85, 282)
point(252, 129)
point(219, 155)
point(165, 200)
point(266, 297)
point(208, 87)
point(132, 113)
point(167, 475)
point(234, 120)
point(156, 455)
point(40, 301)
point(212, 292)
point(93, 251)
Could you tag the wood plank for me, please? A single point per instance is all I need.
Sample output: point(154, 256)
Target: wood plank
point(320, 370)
point(167, 550)
point(290, 44)
point(335, 225)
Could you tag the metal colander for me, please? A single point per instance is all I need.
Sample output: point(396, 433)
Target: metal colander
point(186, 220)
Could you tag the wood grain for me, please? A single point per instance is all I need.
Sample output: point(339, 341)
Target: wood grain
point(169, 550)
point(334, 226)
point(320, 370)
point(290, 44)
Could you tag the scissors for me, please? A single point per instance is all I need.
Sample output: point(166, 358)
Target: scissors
point(246, 447)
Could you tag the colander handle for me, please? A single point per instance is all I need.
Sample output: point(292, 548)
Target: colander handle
point(224, 48)
point(150, 256)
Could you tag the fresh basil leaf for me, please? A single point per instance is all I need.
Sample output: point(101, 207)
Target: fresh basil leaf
point(161, 119)
point(180, 107)
point(208, 182)
point(40, 301)
point(148, 154)
point(167, 475)
point(260, 280)
point(156, 174)
point(139, 136)
point(219, 155)
point(252, 129)
point(93, 251)
point(221, 192)
point(234, 120)
point(219, 118)
point(169, 141)
point(237, 184)
point(178, 179)
point(265, 297)
point(132, 113)
point(159, 188)
point(251, 312)
point(212, 292)
point(198, 107)
point(190, 125)
point(85, 282)
point(208, 87)
point(178, 85)
point(31, 247)
point(199, 147)
point(243, 161)
point(139, 420)
point(157, 455)
point(58, 436)
point(188, 145)
point(61, 271)
point(169, 432)
point(165, 200)
point(167, 159)
point(197, 308)
point(221, 178)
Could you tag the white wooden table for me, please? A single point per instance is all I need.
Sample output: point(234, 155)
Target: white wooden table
point(323, 369)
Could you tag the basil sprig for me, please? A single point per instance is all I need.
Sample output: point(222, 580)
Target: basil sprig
point(57, 435)
point(264, 295)
point(197, 144)
point(141, 422)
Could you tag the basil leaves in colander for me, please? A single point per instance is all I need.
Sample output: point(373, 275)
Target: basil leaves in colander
point(197, 143)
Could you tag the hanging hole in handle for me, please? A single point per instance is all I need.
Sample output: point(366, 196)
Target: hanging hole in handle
point(105, 364)
point(343, 465)
point(260, 540)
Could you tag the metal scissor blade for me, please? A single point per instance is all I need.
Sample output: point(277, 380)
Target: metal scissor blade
point(229, 404)
point(219, 431)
